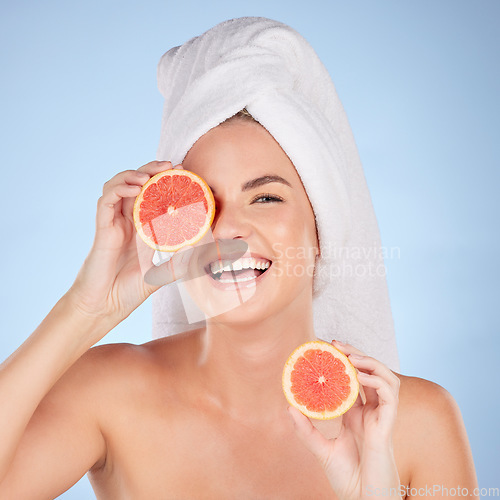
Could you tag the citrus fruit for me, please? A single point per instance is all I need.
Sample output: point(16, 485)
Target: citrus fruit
point(320, 381)
point(173, 209)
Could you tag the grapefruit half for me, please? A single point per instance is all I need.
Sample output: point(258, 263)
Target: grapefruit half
point(320, 381)
point(174, 208)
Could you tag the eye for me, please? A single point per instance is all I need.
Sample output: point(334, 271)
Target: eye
point(267, 198)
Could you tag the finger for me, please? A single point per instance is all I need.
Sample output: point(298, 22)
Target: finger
point(172, 270)
point(118, 208)
point(387, 407)
point(387, 399)
point(107, 202)
point(361, 399)
point(371, 365)
point(312, 439)
point(127, 177)
point(346, 348)
point(127, 208)
point(138, 177)
point(155, 167)
point(132, 177)
point(371, 396)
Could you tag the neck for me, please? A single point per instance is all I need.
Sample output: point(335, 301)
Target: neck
point(242, 363)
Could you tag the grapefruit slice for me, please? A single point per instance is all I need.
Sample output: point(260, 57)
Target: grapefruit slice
point(174, 208)
point(320, 381)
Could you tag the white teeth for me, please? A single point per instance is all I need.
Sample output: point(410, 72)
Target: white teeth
point(238, 265)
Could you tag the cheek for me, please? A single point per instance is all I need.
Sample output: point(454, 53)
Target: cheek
point(296, 227)
point(293, 235)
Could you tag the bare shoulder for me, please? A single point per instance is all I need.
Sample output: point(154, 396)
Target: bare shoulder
point(420, 398)
point(127, 366)
point(428, 410)
point(430, 436)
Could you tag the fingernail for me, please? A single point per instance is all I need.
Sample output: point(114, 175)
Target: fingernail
point(339, 342)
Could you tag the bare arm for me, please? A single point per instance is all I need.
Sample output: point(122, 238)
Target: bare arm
point(49, 439)
point(49, 433)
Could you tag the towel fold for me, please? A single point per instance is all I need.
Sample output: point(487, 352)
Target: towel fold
point(272, 71)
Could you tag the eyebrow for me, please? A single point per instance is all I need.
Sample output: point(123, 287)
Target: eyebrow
point(260, 181)
point(265, 179)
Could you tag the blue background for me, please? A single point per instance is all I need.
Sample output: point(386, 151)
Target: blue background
point(419, 80)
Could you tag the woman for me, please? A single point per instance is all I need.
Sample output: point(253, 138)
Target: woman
point(201, 414)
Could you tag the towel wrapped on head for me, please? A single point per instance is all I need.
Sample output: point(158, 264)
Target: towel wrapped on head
point(272, 71)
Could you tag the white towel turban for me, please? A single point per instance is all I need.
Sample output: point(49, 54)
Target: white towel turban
point(271, 70)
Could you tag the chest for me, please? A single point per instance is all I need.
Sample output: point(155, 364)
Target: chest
point(190, 456)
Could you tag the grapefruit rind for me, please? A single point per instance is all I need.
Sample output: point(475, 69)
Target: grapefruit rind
point(349, 368)
point(203, 229)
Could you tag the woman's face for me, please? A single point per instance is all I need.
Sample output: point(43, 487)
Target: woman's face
point(260, 200)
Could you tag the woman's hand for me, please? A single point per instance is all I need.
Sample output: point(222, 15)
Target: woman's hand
point(361, 458)
point(110, 283)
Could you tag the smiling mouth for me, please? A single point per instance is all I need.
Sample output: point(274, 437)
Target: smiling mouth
point(240, 271)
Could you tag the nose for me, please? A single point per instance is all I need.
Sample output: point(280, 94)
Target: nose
point(229, 223)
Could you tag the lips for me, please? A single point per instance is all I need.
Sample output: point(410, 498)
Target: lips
point(228, 264)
